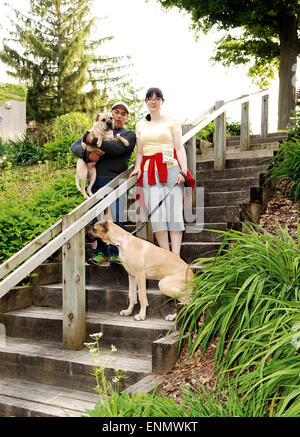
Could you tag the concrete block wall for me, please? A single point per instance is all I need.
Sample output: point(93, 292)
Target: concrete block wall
point(13, 122)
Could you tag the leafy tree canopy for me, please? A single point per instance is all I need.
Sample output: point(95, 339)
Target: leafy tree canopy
point(270, 37)
point(227, 14)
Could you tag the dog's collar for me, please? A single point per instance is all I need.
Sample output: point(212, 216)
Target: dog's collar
point(118, 243)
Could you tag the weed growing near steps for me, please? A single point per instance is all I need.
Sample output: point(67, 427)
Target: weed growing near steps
point(112, 403)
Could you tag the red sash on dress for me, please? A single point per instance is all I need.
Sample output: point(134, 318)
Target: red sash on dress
point(162, 170)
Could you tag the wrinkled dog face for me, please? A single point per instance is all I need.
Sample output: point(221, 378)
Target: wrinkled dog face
point(103, 122)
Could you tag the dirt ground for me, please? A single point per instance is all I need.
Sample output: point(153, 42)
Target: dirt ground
point(280, 210)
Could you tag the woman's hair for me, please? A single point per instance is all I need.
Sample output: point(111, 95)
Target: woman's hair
point(150, 93)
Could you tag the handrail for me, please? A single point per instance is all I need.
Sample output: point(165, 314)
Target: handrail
point(210, 116)
point(213, 108)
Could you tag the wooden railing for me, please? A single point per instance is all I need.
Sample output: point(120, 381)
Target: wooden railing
point(217, 113)
point(69, 232)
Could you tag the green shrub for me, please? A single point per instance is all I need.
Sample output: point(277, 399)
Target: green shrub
point(21, 222)
point(132, 157)
point(294, 125)
point(286, 166)
point(57, 150)
point(64, 131)
point(2, 150)
point(207, 133)
point(19, 226)
point(25, 151)
point(233, 128)
point(58, 199)
point(74, 123)
point(264, 366)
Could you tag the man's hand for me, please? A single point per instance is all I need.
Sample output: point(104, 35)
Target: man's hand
point(95, 155)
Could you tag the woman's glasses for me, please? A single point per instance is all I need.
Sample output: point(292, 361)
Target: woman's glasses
point(156, 100)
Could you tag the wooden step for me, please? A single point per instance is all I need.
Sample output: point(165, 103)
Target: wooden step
point(257, 139)
point(234, 147)
point(226, 198)
point(238, 162)
point(104, 298)
point(190, 251)
point(203, 232)
point(27, 399)
point(229, 184)
point(230, 173)
point(48, 363)
point(43, 323)
point(113, 274)
point(228, 214)
point(265, 153)
point(254, 147)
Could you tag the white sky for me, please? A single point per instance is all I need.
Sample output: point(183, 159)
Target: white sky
point(164, 53)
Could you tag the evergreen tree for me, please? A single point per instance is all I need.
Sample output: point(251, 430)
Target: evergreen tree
point(50, 49)
point(128, 94)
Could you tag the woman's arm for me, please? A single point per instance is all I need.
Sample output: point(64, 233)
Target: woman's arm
point(181, 155)
point(138, 159)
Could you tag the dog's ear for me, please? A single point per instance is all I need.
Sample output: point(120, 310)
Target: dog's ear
point(103, 223)
point(97, 116)
point(104, 226)
point(108, 215)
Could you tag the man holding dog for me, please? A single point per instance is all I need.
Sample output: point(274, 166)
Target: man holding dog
point(109, 164)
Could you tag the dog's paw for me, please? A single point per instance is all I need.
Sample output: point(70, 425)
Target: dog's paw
point(171, 317)
point(140, 317)
point(125, 312)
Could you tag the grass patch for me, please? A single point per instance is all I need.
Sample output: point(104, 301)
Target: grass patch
point(33, 198)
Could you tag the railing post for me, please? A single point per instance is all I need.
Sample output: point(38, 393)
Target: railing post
point(73, 275)
point(264, 116)
point(220, 139)
point(245, 127)
point(190, 150)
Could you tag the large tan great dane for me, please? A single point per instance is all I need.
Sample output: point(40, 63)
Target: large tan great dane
point(143, 260)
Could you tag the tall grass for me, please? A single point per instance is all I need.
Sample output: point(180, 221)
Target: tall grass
point(249, 299)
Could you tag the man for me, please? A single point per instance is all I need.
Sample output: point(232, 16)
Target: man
point(113, 162)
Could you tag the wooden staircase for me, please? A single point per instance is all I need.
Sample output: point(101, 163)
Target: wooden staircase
point(39, 377)
point(32, 358)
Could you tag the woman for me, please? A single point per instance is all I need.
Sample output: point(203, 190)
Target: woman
point(160, 163)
